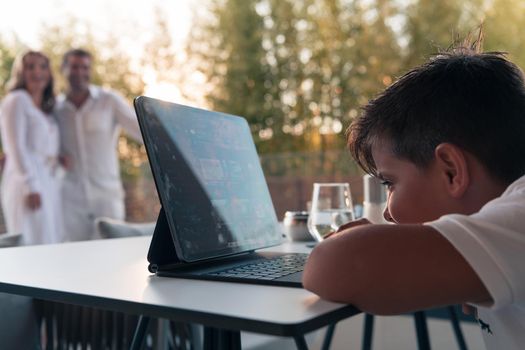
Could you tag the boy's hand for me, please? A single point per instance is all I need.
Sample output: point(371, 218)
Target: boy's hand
point(348, 225)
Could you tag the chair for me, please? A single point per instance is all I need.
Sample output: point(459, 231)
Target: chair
point(113, 228)
point(10, 239)
point(68, 326)
point(420, 321)
point(18, 326)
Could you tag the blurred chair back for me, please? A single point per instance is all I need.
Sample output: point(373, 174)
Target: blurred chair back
point(10, 239)
point(113, 228)
point(18, 326)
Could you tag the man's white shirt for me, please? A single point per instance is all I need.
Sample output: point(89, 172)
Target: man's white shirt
point(89, 136)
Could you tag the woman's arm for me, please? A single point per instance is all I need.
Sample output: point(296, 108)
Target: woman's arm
point(14, 137)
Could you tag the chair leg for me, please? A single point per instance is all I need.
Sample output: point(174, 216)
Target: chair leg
point(221, 339)
point(328, 337)
point(456, 327)
point(368, 332)
point(49, 319)
point(140, 332)
point(86, 326)
point(182, 335)
point(300, 342)
point(423, 341)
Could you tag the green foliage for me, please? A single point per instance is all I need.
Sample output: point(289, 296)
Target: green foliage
point(503, 25)
point(296, 70)
point(435, 25)
point(8, 52)
point(233, 60)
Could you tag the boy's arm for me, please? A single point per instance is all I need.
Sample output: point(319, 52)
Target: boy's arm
point(391, 269)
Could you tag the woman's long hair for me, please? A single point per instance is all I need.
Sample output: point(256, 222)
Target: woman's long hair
point(17, 82)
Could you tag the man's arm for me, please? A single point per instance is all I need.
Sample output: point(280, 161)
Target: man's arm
point(126, 117)
point(391, 269)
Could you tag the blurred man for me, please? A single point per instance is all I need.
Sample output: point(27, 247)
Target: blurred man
point(90, 119)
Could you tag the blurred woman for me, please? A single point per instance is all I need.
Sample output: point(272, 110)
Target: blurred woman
point(30, 183)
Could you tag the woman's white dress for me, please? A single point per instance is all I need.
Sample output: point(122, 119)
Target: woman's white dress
point(31, 144)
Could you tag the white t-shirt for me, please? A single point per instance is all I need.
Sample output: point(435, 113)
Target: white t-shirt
point(493, 243)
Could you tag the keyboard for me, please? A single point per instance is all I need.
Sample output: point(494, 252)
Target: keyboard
point(266, 269)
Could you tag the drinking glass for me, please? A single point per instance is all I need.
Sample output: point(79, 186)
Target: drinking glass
point(331, 208)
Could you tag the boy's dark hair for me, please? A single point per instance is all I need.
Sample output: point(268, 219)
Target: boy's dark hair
point(75, 52)
point(473, 100)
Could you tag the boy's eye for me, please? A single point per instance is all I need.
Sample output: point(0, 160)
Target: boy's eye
point(387, 184)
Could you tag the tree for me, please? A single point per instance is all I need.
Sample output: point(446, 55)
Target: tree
point(229, 53)
point(8, 53)
point(435, 25)
point(503, 25)
point(296, 70)
point(355, 54)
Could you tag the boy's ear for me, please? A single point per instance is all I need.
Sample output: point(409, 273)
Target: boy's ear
point(452, 164)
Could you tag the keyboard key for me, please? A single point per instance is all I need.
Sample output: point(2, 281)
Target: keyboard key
point(267, 269)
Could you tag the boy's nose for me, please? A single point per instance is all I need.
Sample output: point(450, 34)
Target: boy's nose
point(386, 215)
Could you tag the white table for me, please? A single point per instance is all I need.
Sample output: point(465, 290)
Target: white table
point(113, 275)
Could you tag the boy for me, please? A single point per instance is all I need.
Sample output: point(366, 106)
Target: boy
point(448, 141)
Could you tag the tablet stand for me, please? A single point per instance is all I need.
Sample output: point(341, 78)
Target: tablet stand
point(162, 249)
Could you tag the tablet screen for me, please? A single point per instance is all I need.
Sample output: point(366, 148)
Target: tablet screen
point(209, 180)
